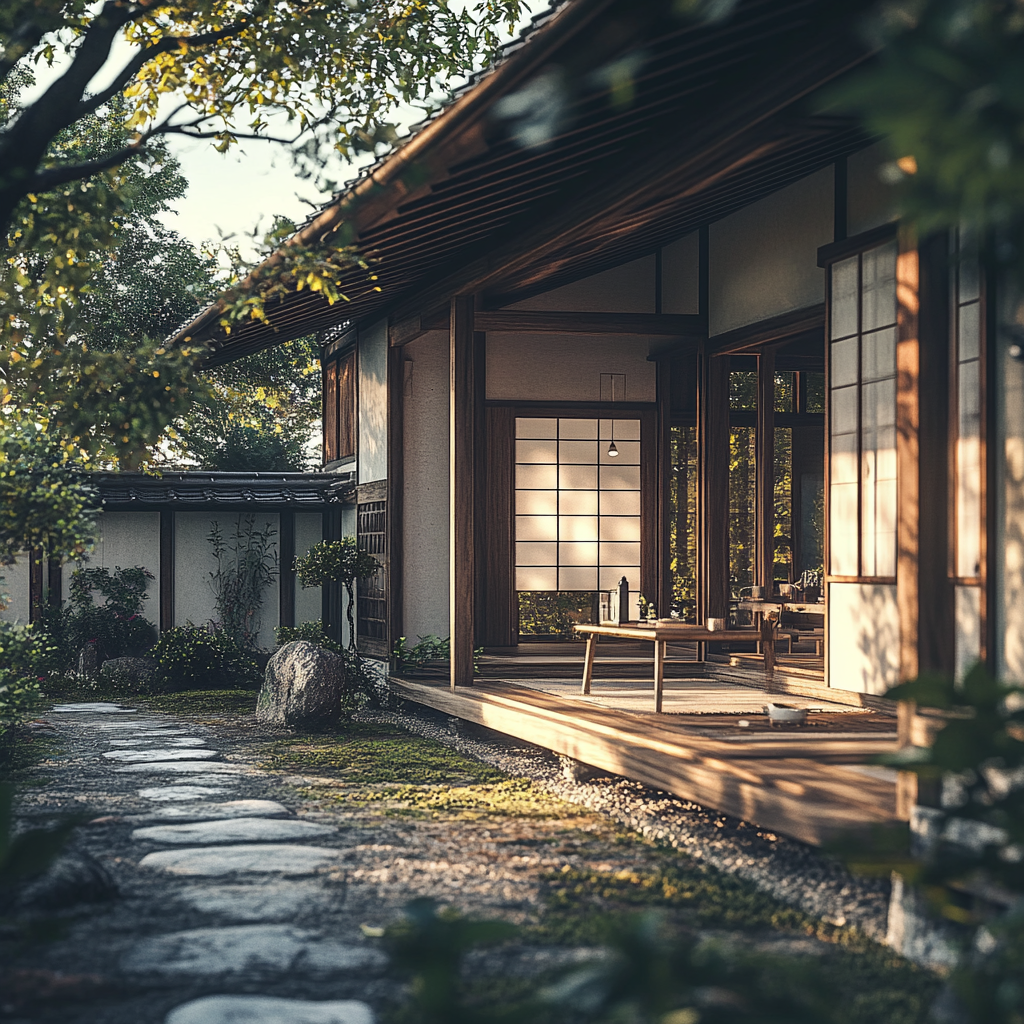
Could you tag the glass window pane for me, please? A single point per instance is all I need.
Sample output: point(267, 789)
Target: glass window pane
point(969, 399)
point(537, 451)
point(620, 528)
point(620, 553)
point(620, 478)
point(578, 452)
point(785, 390)
point(844, 459)
point(970, 331)
point(578, 528)
point(611, 574)
point(577, 478)
point(816, 391)
point(578, 503)
point(536, 553)
point(583, 430)
point(885, 528)
point(844, 298)
point(577, 553)
point(530, 427)
point(970, 279)
point(536, 477)
point(538, 503)
point(743, 389)
point(844, 411)
point(843, 358)
point(535, 577)
point(843, 528)
point(878, 354)
point(625, 430)
point(577, 578)
point(878, 270)
point(619, 503)
point(536, 527)
point(877, 408)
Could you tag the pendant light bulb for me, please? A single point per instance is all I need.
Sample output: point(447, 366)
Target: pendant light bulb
point(613, 452)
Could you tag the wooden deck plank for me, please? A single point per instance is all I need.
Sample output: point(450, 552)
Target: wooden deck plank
point(773, 784)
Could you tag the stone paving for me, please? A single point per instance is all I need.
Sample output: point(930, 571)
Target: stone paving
point(238, 899)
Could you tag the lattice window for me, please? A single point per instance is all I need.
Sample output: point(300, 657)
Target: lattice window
point(372, 594)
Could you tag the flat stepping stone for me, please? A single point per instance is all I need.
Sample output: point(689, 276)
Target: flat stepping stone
point(215, 812)
point(268, 1010)
point(171, 793)
point(159, 754)
point(255, 950)
point(238, 830)
point(183, 767)
point(156, 737)
point(217, 861)
point(271, 900)
point(98, 708)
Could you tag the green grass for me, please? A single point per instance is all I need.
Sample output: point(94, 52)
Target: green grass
point(203, 702)
point(365, 754)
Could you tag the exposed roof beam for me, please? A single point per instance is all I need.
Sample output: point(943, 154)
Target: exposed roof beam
point(767, 332)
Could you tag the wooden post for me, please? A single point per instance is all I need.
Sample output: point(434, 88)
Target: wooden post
point(395, 491)
point(764, 574)
point(713, 520)
point(35, 584)
point(286, 577)
point(461, 467)
point(923, 591)
point(166, 582)
point(54, 583)
point(664, 369)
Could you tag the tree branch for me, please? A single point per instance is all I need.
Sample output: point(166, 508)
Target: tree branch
point(19, 42)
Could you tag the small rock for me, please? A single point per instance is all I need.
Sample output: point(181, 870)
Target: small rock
point(302, 688)
point(268, 1010)
point(71, 879)
point(89, 661)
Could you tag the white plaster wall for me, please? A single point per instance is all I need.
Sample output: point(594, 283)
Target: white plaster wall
point(869, 201)
point(425, 490)
point(967, 642)
point(1009, 445)
point(863, 637)
point(194, 561)
point(309, 530)
point(764, 258)
point(680, 276)
point(567, 368)
point(15, 590)
point(373, 403)
point(625, 289)
point(125, 540)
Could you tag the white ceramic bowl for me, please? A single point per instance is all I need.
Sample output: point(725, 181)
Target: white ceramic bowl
point(786, 713)
point(715, 625)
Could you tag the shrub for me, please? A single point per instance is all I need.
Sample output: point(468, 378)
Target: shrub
point(341, 561)
point(19, 698)
point(312, 632)
point(193, 658)
point(28, 651)
point(117, 626)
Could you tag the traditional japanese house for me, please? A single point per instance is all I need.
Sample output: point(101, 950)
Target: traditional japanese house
point(641, 308)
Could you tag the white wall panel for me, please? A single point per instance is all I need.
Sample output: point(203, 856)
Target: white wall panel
point(680, 276)
point(425, 492)
point(764, 258)
point(126, 540)
point(863, 637)
point(373, 403)
point(625, 289)
point(15, 591)
point(968, 629)
point(870, 201)
point(309, 531)
point(194, 562)
point(567, 368)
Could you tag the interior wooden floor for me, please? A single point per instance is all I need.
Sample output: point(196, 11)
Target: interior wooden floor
point(810, 783)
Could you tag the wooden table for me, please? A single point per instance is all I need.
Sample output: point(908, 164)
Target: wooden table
point(661, 634)
point(750, 604)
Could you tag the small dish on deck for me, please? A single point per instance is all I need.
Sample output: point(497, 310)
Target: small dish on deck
point(785, 713)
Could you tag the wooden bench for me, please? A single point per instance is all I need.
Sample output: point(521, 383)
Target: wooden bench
point(661, 634)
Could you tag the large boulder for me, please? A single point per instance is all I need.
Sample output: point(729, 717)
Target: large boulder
point(303, 688)
point(128, 675)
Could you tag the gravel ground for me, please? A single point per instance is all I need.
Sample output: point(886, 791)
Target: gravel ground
point(791, 871)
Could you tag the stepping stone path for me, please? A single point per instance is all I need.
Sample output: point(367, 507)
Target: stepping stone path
point(254, 847)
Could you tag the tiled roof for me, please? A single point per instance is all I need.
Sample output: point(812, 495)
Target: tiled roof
point(196, 490)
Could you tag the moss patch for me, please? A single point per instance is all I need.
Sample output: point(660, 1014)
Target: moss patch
point(510, 798)
point(204, 702)
point(373, 755)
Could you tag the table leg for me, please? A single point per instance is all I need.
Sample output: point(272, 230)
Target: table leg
point(659, 671)
point(588, 664)
point(768, 646)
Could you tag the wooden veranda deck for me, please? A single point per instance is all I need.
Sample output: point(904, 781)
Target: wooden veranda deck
point(811, 784)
